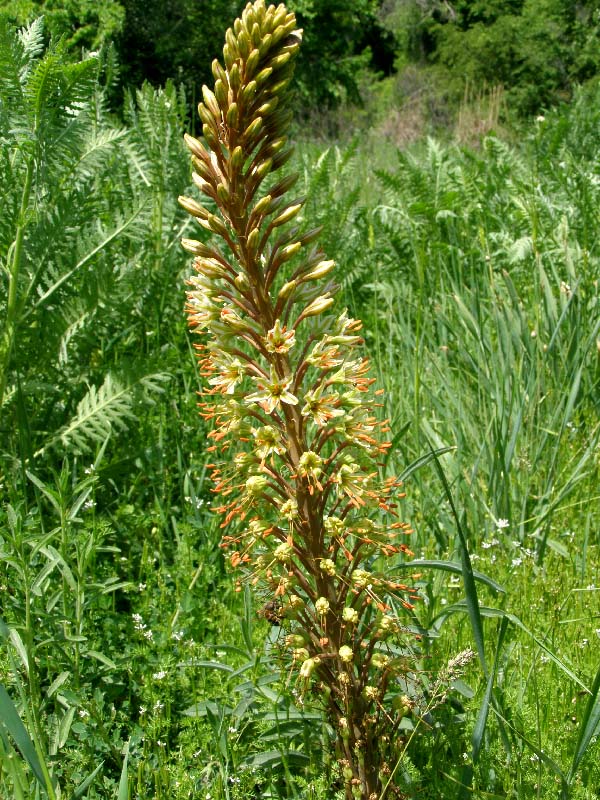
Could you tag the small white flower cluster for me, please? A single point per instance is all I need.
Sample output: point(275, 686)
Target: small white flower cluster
point(140, 626)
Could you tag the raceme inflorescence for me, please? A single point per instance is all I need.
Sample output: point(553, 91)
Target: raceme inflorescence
point(297, 444)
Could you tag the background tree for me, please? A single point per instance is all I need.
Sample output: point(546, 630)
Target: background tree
point(84, 23)
point(536, 49)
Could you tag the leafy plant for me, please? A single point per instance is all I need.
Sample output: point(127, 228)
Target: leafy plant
point(76, 216)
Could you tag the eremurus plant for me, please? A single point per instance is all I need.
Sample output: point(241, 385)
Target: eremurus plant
point(297, 446)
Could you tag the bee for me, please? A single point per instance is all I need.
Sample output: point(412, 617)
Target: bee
point(272, 612)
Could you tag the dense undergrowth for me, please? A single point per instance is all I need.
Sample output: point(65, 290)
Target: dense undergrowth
point(135, 668)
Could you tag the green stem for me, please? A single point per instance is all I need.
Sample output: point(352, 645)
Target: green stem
point(8, 336)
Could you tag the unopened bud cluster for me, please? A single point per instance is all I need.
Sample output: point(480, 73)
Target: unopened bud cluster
point(297, 445)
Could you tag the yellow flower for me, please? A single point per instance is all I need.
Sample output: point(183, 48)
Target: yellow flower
point(322, 606)
point(328, 566)
point(280, 340)
point(350, 615)
point(310, 467)
point(345, 653)
point(231, 372)
point(273, 393)
point(307, 668)
point(256, 484)
point(321, 409)
point(283, 553)
point(267, 442)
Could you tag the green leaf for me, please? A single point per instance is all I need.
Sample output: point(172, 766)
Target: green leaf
point(588, 727)
point(101, 658)
point(10, 719)
point(84, 785)
point(479, 729)
point(472, 600)
point(123, 793)
point(448, 566)
point(273, 758)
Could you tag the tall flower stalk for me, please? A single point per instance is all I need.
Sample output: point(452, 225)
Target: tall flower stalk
point(297, 446)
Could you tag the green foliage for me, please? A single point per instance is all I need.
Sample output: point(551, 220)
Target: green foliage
point(173, 40)
point(87, 225)
point(335, 45)
point(537, 49)
point(84, 24)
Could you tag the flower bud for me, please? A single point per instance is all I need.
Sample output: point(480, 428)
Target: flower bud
point(262, 205)
point(209, 267)
point(234, 76)
point(217, 225)
point(237, 158)
point(194, 208)
point(218, 71)
point(267, 108)
point(252, 62)
point(253, 240)
point(197, 248)
point(287, 289)
point(248, 92)
point(318, 306)
point(263, 75)
point(196, 147)
point(211, 103)
point(264, 168)
point(280, 158)
point(323, 268)
point(244, 44)
point(223, 194)
point(242, 282)
point(265, 42)
point(254, 128)
point(287, 215)
point(294, 640)
point(228, 58)
point(280, 60)
point(290, 251)
point(231, 41)
point(307, 668)
point(221, 93)
point(256, 484)
point(233, 115)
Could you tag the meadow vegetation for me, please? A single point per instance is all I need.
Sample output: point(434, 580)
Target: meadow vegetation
point(129, 665)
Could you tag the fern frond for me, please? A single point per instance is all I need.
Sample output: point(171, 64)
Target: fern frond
point(75, 318)
point(32, 39)
point(105, 410)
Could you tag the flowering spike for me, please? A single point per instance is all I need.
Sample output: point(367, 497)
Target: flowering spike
point(292, 406)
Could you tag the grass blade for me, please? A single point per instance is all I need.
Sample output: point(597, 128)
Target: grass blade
point(589, 725)
point(11, 720)
point(124, 781)
point(471, 598)
point(479, 729)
